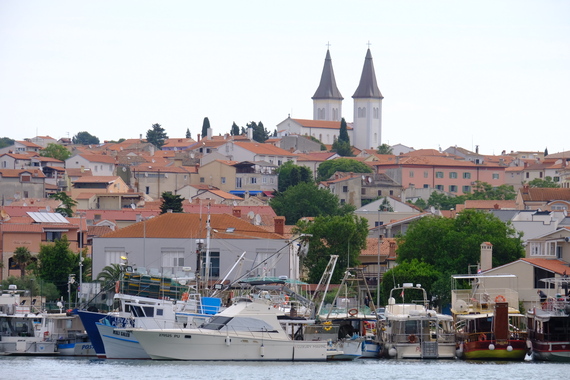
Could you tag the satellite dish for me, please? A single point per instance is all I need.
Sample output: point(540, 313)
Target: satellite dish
point(432, 209)
point(369, 180)
point(235, 203)
point(133, 206)
point(124, 169)
point(461, 306)
point(191, 155)
point(257, 219)
point(250, 215)
point(48, 209)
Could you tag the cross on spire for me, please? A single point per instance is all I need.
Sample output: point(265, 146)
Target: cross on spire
point(368, 43)
point(328, 45)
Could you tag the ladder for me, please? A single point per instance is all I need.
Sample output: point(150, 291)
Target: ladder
point(325, 278)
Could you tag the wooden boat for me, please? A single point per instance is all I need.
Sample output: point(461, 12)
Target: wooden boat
point(488, 323)
point(549, 323)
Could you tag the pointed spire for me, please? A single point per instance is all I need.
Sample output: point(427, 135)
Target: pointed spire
point(368, 88)
point(327, 88)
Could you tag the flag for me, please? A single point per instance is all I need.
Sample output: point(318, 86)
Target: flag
point(402, 294)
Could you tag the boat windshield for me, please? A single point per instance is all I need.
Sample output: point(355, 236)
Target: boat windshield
point(238, 324)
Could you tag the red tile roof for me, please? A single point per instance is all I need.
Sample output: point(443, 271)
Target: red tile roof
point(546, 194)
point(553, 265)
point(321, 124)
point(14, 173)
point(260, 148)
point(98, 158)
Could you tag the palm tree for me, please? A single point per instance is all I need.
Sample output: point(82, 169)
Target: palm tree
point(110, 275)
point(22, 257)
point(384, 149)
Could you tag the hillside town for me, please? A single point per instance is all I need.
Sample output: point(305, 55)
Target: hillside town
point(175, 206)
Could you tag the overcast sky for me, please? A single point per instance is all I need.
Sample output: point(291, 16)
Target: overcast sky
point(490, 73)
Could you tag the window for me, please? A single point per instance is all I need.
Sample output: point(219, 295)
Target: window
point(172, 260)
point(438, 174)
point(223, 179)
point(452, 189)
point(53, 235)
point(214, 264)
point(426, 174)
point(363, 191)
point(495, 175)
point(345, 189)
point(426, 186)
point(26, 194)
point(466, 175)
point(527, 174)
point(253, 180)
point(113, 255)
point(439, 187)
point(556, 179)
point(264, 180)
point(539, 274)
point(391, 192)
point(411, 174)
point(466, 189)
point(201, 179)
point(238, 183)
point(540, 175)
point(379, 192)
point(343, 201)
point(452, 174)
point(26, 178)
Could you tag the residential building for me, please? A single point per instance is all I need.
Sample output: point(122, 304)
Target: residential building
point(15, 160)
point(21, 183)
point(384, 211)
point(98, 185)
point(42, 141)
point(153, 180)
point(99, 164)
point(254, 152)
point(22, 147)
point(534, 198)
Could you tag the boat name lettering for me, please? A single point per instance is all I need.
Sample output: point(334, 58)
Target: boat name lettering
point(121, 333)
point(87, 347)
point(169, 335)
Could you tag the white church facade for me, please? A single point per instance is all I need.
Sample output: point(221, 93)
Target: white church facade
point(365, 131)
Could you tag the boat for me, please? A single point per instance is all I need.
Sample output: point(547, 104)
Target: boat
point(549, 323)
point(23, 331)
point(412, 330)
point(252, 329)
point(489, 325)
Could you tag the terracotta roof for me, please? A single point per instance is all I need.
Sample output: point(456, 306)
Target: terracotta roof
point(98, 179)
point(308, 123)
point(488, 204)
point(182, 142)
point(28, 144)
point(216, 208)
point(98, 230)
point(553, 265)
point(260, 148)
point(184, 226)
point(386, 248)
point(544, 194)
point(316, 156)
point(13, 173)
point(98, 158)
point(20, 156)
point(147, 167)
point(225, 195)
point(78, 172)
point(126, 214)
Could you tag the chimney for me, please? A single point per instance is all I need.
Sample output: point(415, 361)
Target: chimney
point(198, 137)
point(279, 223)
point(486, 256)
point(236, 212)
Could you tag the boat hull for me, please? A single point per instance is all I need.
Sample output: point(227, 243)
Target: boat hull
point(481, 350)
point(551, 351)
point(207, 345)
point(120, 344)
point(89, 320)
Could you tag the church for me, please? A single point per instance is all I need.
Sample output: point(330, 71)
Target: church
point(364, 132)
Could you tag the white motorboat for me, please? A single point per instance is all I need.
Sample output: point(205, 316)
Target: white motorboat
point(412, 331)
point(252, 329)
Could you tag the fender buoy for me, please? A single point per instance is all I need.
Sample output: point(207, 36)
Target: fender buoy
point(353, 312)
point(412, 338)
point(328, 325)
point(46, 335)
point(185, 296)
point(500, 298)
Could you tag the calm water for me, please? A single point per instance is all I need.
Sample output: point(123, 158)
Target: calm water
point(60, 368)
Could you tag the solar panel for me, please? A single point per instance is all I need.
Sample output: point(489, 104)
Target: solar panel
point(47, 217)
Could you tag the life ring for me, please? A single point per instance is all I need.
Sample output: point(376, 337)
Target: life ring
point(353, 312)
point(482, 337)
point(117, 287)
point(500, 298)
point(412, 338)
point(185, 296)
point(328, 325)
point(286, 302)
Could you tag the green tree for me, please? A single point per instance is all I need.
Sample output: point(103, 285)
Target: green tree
point(385, 205)
point(260, 134)
point(290, 174)
point(414, 271)
point(306, 199)
point(484, 190)
point(452, 245)
point(347, 165)
point(156, 136)
point(441, 201)
point(343, 132)
point(59, 152)
point(188, 134)
point(326, 241)
point(55, 263)
point(85, 138)
point(546, 182)
point(234, 131)
point(384, 149)
point(109, 276)
point(67, 203)
point(22, 257)
point(6, 141)
point(342, 148)
point(205, 127)
point(171, 202)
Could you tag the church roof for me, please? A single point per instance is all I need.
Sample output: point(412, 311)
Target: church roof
point(368, 88)
point(327, 88)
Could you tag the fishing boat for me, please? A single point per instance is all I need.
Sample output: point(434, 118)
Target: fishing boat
point(252, 329)
point(488, 323)
point(549, 323)
point(412, 330)
point(22, 330)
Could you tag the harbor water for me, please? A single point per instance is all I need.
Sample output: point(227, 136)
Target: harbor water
point(15, 368)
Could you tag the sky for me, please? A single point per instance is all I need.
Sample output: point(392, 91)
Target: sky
point(488, 73)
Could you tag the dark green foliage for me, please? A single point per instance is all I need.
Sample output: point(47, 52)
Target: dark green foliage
point(171, 202)
point(56, 262)
point(5, 141)
point(291, 175)
point(67, 203)
point(109, 276)
point(481, 191)
point(306, 199)
point(546, 182)
point(205, 127)
point(188, 134)
point(342, 148)
point(260, 134)
point(156, 136)
point(343, 132)
point(347, 165)
point(344, 236)
point(234, 130)
point(85, 138)
point(59, 152)
point(384, 149)
point(22, 257)
point(414, 271)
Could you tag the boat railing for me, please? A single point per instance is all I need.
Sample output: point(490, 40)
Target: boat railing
point(557, 305)
point(482, 300)
point(490, 336)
